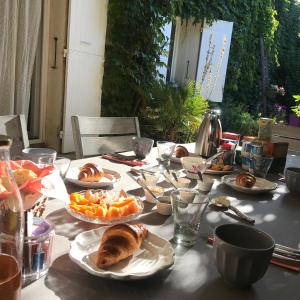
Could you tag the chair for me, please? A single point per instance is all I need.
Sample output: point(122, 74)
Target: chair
point(98, 135)
point(15, 127)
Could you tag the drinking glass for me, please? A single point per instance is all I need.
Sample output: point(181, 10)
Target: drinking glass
point(260, 165)
point(188, 208)
point(41, 156)
point(62, 164)
point(165, 151)
point(37, 250)
point(142, 146)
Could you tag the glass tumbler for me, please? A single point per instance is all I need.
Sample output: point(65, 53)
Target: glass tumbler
point(188, 208)
point(165, 151)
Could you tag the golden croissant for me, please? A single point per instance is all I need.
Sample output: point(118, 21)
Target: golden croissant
point(119, 242)
point(90, 173)
point(245, 180)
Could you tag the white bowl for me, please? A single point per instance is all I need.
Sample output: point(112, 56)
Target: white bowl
point(164, 206)
point(205, 185)
point(193, 165)
point(183, 182)
point(156, 190)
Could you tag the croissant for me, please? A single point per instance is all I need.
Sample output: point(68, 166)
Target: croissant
point(90, 173)
point(245, 180)
point(181, 151)
point(119, 242)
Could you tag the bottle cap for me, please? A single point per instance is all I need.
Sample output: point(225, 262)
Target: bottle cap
point(5, 141)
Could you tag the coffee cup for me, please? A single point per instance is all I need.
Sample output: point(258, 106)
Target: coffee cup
point(242, 253)
point(292, 179)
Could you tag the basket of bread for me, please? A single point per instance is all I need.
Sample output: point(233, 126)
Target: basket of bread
point(36, 183)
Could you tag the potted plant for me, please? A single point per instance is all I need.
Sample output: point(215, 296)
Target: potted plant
point(294, 117)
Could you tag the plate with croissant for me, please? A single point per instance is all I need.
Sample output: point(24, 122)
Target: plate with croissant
point(92, 176)
point(248, 183)
point(123, 251)
point(104, 207)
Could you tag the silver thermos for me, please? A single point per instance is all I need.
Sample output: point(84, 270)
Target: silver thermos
point(209, 135)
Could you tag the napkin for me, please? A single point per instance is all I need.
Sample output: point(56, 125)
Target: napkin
point(128, 162)
point(275, 261)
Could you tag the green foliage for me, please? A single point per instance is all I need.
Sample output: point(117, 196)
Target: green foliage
point(296, 108)
point(172, 113)
point(135, 42)
point(287, 73)
point(236, 118)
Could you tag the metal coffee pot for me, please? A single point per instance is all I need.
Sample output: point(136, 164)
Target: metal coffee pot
point(209, 134)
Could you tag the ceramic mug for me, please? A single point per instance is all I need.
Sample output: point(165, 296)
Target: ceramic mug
point(292, 179)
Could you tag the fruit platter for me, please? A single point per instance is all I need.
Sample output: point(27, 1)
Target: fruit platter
point(104, 207)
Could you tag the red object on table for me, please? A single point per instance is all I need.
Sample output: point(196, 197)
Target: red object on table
point(274, 261)
point(231, 136)
point(128, 162)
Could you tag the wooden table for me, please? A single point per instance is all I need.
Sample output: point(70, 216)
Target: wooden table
point(193, 275)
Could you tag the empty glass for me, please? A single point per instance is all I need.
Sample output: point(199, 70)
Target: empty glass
point(188, 208)
point(62, 164)
point(41, 156)
point(260, 165)
point(142, 146)
point(165, 151)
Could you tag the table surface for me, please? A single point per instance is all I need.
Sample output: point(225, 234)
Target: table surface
point(193, 275)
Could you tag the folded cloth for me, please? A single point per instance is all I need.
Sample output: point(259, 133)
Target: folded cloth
point(128, 162)
point(275, 261)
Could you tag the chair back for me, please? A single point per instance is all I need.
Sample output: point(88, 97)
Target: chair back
point(15, 127)
point(98, 135)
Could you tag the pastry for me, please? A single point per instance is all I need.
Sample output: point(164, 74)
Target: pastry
point(245, 180)
point(181, 151)
point(227, 168)
point(119, 242)
point(23, 175)
point(90, 173)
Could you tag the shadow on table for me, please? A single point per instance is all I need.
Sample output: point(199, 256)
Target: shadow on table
point(291, 200)
point(68, 226)
point(226, 190)
point(69, 282)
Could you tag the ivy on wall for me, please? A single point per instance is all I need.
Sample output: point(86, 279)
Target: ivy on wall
point(135, 42)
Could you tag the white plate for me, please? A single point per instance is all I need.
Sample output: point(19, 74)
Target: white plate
point(111, 177)
point(155, 254)
point(215, 172)
point(97, 220)
point(261, 185)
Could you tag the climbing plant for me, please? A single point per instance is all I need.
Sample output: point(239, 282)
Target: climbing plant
point(135, 42)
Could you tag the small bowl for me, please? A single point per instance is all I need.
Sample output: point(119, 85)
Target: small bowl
point(151, 179)
point(192, 165)
point(292, 179)
point(183, 182)
point(164, 206)
point(156, 190)
point(205, 185)
point(242, 253)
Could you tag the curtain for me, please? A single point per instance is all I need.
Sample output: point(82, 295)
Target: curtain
point(19, 27)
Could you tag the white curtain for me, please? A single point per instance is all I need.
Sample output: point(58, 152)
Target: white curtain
point(19, 27)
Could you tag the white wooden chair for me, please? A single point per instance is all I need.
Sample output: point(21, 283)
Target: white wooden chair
point(15, 127)
point(98, 135)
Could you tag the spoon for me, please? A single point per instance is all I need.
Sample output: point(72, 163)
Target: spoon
point(224, 202)
point(200, 176)
point(143, 185)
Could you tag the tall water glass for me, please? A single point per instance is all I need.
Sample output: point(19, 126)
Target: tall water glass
point(188, 209)
point(11, 228)
point(165, 152)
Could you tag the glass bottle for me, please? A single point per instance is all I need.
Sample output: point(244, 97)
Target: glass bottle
point(11, 228)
